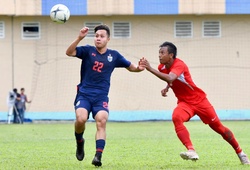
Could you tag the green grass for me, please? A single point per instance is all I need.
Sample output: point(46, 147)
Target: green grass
point(138, 145)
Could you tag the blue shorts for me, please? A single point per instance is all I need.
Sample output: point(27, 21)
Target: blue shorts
point(91, 104)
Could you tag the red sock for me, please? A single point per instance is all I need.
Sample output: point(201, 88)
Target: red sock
point(184, 137)
point(227, 135)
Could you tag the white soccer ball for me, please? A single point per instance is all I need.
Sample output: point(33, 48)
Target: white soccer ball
point(59, 13)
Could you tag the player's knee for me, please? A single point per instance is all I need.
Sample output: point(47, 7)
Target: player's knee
point(101, 125)
point(81, 120)
point(176, 118)
point(101, 122)
point(81, 116)
point(218, 127)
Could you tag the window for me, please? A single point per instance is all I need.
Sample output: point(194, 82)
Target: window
point(91, 26)
point(183, 29)
point(30, 30)
point(121, 30)
point(211, 29)
point(2, 31)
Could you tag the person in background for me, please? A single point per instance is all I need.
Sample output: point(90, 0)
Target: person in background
point(11, 99)
point(16, 117)
point(21, 105)
point(191, 101)
point(98, 63)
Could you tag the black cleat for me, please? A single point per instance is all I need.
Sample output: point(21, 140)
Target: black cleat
point(97, 160)
point(80, 150)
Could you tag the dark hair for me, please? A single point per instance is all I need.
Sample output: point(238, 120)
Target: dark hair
point(171, 48)
point(15, 90)
point(103, 27)
point(22, 88)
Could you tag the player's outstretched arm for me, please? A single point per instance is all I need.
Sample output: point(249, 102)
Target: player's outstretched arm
point(169, 78)
point(71, 50)
point(134, 68)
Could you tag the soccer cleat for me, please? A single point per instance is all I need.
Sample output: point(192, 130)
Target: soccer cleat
point(80, 150)
point(244, 159)
point(97, 160)
point(189, 155)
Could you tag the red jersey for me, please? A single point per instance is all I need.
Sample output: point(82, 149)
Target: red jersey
point(183, 87)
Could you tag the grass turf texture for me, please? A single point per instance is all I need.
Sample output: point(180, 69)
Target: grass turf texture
point(136, 145)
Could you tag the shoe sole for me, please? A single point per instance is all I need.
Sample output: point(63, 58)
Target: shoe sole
point(79, 158)
point(245, 163)
point(186, 157)
point(96, 163)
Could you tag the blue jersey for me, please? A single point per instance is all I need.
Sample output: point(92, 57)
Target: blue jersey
point(96, 69)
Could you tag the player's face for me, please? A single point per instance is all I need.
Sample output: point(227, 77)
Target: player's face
point(165, 57)
point(101, 39)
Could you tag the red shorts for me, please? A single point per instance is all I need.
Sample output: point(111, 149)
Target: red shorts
point(204, 110)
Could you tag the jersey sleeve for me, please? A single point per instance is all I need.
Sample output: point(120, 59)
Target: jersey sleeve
point(161, 68)
point(178, 68)
point(122, 61)
point(82, 51)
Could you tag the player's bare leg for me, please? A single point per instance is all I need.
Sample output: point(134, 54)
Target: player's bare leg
point(101, 120)
point(81, 118)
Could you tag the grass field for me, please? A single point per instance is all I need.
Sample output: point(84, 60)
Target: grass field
point(135, 145)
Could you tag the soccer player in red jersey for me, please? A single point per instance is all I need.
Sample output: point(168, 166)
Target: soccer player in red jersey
point(98, 63)
point(191, 101)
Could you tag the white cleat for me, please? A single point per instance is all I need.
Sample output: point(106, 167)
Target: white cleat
point(244, 159)
point(189, 155)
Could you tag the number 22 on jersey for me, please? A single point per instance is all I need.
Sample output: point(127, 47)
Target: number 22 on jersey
point(98, 66)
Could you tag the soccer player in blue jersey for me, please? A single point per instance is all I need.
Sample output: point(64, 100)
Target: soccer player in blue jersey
point(98, 63)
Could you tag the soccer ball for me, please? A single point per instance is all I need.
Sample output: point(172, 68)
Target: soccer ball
point(59, 13)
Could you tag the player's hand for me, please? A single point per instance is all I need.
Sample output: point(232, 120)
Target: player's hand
point(164, 91)
point(140, 66)
point(144, 63)
point(83, 32)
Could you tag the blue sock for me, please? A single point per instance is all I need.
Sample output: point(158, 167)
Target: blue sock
point(100, 144)
point(79, 137)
